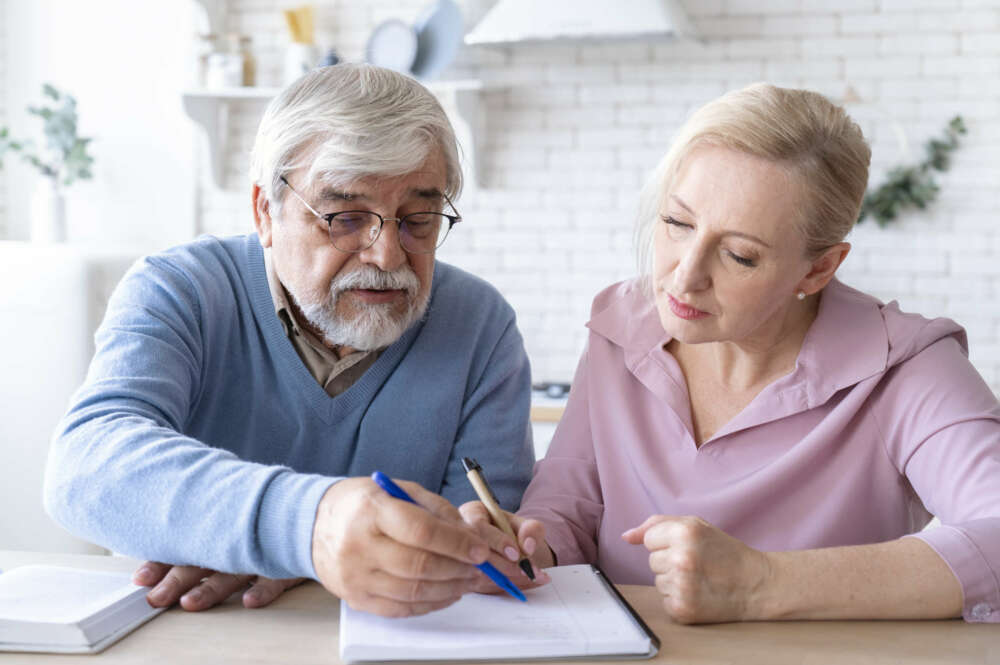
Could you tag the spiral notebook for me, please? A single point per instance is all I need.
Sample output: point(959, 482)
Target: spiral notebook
point(579, 614)
point(68, 610)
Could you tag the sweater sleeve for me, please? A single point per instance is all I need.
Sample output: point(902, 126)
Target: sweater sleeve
point(942, 427)
point(565, 492)
point(495, 427)
point(121, 472)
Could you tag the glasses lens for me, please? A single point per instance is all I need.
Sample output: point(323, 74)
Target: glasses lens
point(423, 232)
point(354, 231)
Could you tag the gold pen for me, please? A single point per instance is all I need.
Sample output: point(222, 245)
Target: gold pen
point(474, 473)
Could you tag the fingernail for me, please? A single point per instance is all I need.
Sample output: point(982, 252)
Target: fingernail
point(143, 573)
point(479, 552)
point(254, 595)
point(529, 546)
point(194, 595)
point(157, 595)
point(511, 553)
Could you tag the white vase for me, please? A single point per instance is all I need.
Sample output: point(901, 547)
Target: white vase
point(299, 59)
point(48, 212)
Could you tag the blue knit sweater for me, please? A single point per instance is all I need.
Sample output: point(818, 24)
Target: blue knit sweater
point(199, 436)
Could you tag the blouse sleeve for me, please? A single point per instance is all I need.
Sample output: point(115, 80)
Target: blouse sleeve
point(942, 430)
point(565, 492)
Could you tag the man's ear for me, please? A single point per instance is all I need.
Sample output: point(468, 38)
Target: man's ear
point(823, 268)
point(261, 215)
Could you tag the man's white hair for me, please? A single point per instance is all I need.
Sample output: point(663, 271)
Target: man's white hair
point(349, 121)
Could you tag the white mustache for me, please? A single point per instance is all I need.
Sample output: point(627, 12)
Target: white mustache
point(370, 277)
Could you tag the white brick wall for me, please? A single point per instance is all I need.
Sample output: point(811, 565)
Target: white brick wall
point(573, 128)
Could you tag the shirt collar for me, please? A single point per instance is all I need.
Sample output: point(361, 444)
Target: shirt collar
point(846, 343)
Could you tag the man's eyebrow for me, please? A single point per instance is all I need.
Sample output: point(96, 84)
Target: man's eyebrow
point(333, 194)
point(738, 234)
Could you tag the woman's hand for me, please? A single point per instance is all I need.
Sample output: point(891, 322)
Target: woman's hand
point(200, 588)
point(704, 575)
point(504, 555)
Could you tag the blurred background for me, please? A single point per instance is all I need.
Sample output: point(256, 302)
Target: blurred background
point(562, 108)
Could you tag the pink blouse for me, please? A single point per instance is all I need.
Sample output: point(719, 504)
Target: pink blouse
point(882, 424)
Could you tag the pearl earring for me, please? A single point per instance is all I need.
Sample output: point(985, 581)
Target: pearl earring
point(801, 295)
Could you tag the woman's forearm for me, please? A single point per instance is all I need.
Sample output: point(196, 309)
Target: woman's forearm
point(900, 579)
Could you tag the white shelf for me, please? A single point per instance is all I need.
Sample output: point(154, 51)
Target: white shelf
point(460, 100)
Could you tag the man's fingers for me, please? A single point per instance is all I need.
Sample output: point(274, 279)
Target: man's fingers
point(434, 503)
point(213, 590)
point(414, 563)
point(178, 581)
point(265, 590)
point(150, 573)
point(412, 591)
point(419, 529)
point(393, 608)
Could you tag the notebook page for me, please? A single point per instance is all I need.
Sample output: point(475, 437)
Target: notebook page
point(564, 618)
point(609, 627)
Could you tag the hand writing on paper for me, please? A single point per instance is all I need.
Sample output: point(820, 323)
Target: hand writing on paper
point(703, 574)
point(390, 557)
point(503, 551)
point(201, 588)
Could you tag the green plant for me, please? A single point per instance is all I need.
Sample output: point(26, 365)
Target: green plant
point(915, 186)
point(65, 157)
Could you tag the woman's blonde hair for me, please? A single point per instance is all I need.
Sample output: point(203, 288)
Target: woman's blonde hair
point(821, 147)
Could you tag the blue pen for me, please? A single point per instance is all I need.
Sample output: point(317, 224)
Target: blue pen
point(394, 490)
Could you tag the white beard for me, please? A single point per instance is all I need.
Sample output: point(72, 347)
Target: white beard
point(375, 326)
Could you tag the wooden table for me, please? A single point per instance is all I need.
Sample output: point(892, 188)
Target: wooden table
point(302, 627)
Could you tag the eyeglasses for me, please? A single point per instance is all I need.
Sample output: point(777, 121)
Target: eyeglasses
point(357, 230)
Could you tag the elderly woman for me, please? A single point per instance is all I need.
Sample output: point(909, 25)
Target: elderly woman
point(752, 436)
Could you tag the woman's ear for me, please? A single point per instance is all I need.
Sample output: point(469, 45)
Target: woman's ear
point(823, 268)
point(261, 215)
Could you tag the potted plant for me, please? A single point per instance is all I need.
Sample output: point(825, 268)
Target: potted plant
point(63, 161)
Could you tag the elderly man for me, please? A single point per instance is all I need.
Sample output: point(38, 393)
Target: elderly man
point(244, 389)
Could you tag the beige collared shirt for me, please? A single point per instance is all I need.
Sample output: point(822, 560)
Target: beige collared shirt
point(335, 374)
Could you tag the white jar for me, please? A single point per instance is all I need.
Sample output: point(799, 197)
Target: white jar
point(224, 70)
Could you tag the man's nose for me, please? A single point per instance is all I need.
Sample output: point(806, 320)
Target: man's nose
point(385, 253)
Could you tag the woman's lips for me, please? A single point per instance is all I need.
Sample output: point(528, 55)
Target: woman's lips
point(683, 311)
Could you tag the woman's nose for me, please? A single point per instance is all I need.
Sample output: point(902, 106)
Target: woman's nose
point(692, 274)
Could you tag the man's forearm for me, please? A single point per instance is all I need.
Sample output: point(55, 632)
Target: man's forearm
point(900, 579)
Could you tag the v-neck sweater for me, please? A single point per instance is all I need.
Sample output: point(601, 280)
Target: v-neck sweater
point(199, 436)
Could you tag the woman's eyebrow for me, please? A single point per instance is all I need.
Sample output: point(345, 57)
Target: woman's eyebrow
point(738, 234)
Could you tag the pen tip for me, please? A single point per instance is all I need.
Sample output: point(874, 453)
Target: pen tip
point(526, 567)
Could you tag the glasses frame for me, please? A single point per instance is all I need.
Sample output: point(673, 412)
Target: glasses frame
point(452, 221)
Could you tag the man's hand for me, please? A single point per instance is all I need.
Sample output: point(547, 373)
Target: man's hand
point(201, 588)
point(530, 535)
point(390, 557)
point(703, 574)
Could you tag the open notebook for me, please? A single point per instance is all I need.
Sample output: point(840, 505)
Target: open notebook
point(578, 615)
point(68, 610)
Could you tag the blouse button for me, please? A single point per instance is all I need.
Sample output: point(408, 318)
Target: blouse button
point(981, 612)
